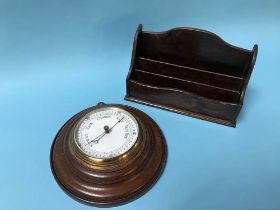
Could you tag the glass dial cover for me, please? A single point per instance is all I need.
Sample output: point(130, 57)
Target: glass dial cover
point(106, 133)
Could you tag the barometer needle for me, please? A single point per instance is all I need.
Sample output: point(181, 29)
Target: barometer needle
point(96, 140)
point(116, 124)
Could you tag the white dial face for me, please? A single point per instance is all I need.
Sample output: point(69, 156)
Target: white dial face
point(106, 133)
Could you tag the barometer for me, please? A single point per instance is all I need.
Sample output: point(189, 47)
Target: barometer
point(108, 155)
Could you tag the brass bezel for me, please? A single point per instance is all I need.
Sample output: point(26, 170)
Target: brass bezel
point(105, 161)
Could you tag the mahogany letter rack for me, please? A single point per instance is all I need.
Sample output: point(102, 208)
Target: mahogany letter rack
point(189, 71)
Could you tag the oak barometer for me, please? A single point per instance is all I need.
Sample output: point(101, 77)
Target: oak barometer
point(108, 154)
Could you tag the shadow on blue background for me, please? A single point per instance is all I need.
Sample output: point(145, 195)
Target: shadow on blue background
point(59, 57)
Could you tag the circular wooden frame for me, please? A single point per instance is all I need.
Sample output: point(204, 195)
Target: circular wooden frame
point(109, 184)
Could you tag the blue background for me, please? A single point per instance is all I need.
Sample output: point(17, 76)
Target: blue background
point(58, 57)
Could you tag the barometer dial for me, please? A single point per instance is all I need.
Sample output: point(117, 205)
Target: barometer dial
point(106, 133)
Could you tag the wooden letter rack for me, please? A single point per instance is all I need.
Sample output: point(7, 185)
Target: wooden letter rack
point(190, 71)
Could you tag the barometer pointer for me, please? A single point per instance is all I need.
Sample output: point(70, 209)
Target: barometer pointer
point(113, 125)
point(107, 130)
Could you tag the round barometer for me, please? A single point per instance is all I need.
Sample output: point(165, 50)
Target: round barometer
point(108, 154)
